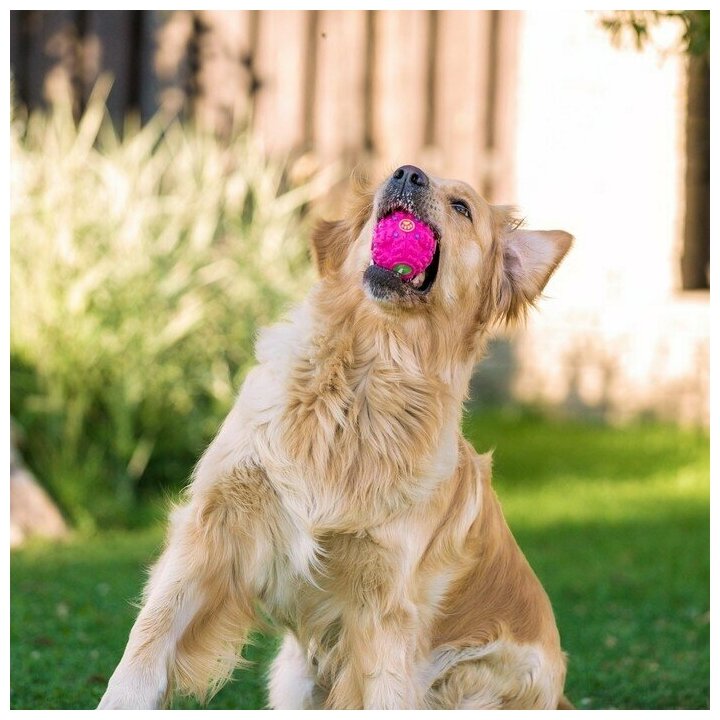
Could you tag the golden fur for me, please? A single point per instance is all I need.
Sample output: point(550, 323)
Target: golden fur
point(340, 497)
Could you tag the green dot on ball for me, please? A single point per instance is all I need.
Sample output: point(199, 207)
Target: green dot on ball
point(402, 269)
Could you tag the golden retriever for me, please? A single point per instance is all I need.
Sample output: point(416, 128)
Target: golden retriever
point(340, 499)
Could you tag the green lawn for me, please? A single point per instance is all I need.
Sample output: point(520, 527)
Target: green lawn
point(614, 520)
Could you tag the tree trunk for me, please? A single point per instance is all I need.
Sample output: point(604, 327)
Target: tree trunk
point(696, 254)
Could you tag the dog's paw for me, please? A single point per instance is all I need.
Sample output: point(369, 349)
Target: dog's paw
point(115, 699)
point(133, 691)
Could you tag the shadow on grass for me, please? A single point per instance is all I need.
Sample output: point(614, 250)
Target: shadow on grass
point(631, 599)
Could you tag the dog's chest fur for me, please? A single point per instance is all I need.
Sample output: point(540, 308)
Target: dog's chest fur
point(365, 426)
point(369, 435)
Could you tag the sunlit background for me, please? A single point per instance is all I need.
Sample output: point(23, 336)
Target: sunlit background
point(166, 168)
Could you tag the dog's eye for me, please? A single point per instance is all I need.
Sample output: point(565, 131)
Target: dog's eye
point(461, 207)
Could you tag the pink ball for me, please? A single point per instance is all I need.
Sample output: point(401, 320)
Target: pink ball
point(404, 244)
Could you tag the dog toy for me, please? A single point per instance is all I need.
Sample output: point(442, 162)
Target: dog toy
point(404, 244)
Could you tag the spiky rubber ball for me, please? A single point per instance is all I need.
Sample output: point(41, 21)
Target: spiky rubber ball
point(404, 244)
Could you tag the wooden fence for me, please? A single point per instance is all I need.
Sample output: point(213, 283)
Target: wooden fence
point(430, 87)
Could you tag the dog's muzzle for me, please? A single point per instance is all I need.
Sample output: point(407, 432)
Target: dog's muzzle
point(408, 189)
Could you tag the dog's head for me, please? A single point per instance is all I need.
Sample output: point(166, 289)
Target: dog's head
point(485, 268)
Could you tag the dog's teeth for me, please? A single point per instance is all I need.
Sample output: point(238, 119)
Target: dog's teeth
point(418, 280)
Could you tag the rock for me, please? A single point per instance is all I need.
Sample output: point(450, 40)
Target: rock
point(32, 511)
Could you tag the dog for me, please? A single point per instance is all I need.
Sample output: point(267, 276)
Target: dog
point(340, 500)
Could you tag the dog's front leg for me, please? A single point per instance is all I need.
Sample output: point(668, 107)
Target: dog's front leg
point(388, 661)
point(379, 673)
point(380, 636)
point(172, 597)
point(198, 605)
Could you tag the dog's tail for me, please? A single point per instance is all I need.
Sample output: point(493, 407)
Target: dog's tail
point(565, 704)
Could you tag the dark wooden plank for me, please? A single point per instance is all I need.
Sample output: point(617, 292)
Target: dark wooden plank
point(109, 47)
point(18, 55)
point(222, 79)
point(148, 85)
point(461, 94)
point(53, 57)
point(400, 86)
point(165, 37)
point(341, 79)
point(500, 185)
point(281, 66)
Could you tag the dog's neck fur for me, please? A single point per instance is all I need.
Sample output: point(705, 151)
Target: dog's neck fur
point(346, 422)
point(419, 347)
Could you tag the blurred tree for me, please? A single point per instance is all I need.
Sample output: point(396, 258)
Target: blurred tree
point(695, 43)
point(640, 23)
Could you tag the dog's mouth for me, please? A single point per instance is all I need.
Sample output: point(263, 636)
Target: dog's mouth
point(388, 283)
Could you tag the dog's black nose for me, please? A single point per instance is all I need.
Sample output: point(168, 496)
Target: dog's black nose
point(409, 189)
point(412, 175)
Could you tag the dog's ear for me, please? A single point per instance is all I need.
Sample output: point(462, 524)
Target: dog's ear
point(331, 240)
point(529, 258)
point(329, 245)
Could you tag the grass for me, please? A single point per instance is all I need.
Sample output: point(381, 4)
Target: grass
point(615, 522)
